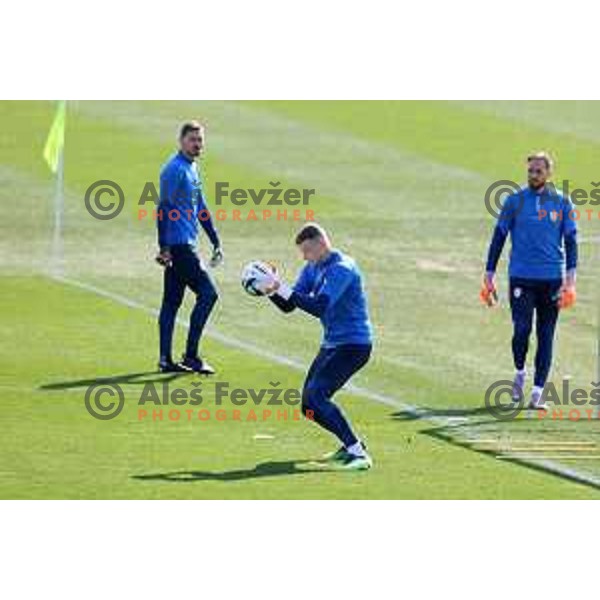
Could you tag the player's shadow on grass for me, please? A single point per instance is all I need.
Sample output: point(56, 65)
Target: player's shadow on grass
point(266, 469)
point(451, 435)
point(127, 378)
point(457, 434)
point(430, 413)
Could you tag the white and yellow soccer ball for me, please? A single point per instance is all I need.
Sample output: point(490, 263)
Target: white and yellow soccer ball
point(256, 276)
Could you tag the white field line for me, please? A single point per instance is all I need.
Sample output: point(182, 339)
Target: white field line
point(545, 464)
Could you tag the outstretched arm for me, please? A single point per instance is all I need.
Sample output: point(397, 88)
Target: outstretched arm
point(570, 241)
point(169, 181)
point(281, 296)
point(281, 303)
point(488, 293)
point(335, 284)
point(205, 219)
point(568, 294)
point(495, 249)
point(505, 223)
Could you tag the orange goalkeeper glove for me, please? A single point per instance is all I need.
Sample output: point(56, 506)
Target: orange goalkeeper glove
point(567, 297)
point(488, 293)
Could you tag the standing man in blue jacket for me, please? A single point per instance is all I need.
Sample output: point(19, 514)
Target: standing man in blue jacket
point(330, 288)
point(182, 207)
point(542, 268)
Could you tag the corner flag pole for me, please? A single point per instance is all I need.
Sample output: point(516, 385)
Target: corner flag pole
point(59, 208)
point(54, 155)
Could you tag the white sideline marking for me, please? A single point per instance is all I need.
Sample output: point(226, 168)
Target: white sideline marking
point(547, 465)
point(236, 343)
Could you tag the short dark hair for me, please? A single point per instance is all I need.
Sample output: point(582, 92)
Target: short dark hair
point(189, 126)
point(542, 156)
point(310, 231)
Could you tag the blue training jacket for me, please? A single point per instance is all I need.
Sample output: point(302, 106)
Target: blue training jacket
point(182, 204)
point(543, 227)
point(332, 290)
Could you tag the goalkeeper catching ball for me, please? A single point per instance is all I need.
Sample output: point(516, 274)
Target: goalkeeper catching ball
point(330, 288)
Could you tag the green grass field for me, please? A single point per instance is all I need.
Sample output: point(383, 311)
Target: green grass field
point(400, 185)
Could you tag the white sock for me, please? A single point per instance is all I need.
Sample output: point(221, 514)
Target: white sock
point(522, 372)
point(356, 449)
point(537, 390)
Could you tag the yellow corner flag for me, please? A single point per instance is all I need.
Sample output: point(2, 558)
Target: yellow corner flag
point(56, 138)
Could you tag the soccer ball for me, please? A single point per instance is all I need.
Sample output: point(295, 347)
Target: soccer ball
point(255, 275)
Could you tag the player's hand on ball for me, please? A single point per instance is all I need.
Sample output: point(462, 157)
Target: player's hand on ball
point(275, 285)
point(217, 257)
point(270, 288)
point(269, 283)
point(164, 258)
point(259, 278)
